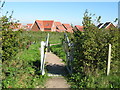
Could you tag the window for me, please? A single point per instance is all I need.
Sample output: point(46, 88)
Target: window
point(47, 28)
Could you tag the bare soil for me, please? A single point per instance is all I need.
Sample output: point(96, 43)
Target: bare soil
point(56, 69)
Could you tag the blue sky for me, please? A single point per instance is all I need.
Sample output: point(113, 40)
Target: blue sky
point(65, 12)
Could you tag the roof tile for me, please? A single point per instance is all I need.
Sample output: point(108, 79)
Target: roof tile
point(80, 28)
point(59, 26)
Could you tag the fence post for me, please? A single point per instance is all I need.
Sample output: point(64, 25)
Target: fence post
point(47, 43)
point(42, 57)
point(109, 58)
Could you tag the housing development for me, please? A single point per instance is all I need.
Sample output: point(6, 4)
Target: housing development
point(53, 26)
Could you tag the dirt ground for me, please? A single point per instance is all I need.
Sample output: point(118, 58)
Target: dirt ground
point(56, 70)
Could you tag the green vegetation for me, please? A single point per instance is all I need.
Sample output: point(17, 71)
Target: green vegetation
point(58, 50)
point(91, 55)
point(9, 39)
point(36, 37)
point(23, 71)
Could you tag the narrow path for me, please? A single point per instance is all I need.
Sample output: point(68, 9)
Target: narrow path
point(54, 65)
point(56, 69)
point(57, 82)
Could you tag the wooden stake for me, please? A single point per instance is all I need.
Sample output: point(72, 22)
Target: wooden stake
point(42, 57)
point(109, 58)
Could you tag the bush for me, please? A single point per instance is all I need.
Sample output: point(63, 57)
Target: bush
point(91, 55)
point(92, 47)
point(9, 39)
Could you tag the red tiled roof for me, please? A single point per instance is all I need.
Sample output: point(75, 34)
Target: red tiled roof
point(57, 30)
point(29, 25)
point(80, 28)
point(48, 24)
point(44, 24)
point(68, 27)
point(40, 23)
point(59, 26)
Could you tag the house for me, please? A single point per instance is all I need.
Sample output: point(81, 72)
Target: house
point(26, 27)
point(49, 25)
point(40, 25)
point(78, 27)
point(100, 25)
point(107, 25)
point(37, 26)
point(68, 27)
point(16, 26)
point(59, 27)
point(29, 26)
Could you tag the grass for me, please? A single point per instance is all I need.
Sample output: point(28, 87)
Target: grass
point(111, 81)
point(102, 81)
point(23, 71)
point(58, 50)
point(55, 37)
point(32, 54)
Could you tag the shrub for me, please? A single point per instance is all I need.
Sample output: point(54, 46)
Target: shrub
point(9, 39)
point(91, 55)
point(91, 47)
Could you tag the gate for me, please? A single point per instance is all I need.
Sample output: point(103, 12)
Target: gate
point(69, 50)
point(44, 49)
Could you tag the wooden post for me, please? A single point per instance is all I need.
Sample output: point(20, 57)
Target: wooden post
point(109, 58)
point(42, 57)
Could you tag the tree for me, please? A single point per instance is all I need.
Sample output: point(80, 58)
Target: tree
point(9, 37)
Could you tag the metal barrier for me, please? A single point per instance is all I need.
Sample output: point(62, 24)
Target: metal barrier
point(44, 49)
point(69, 50)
